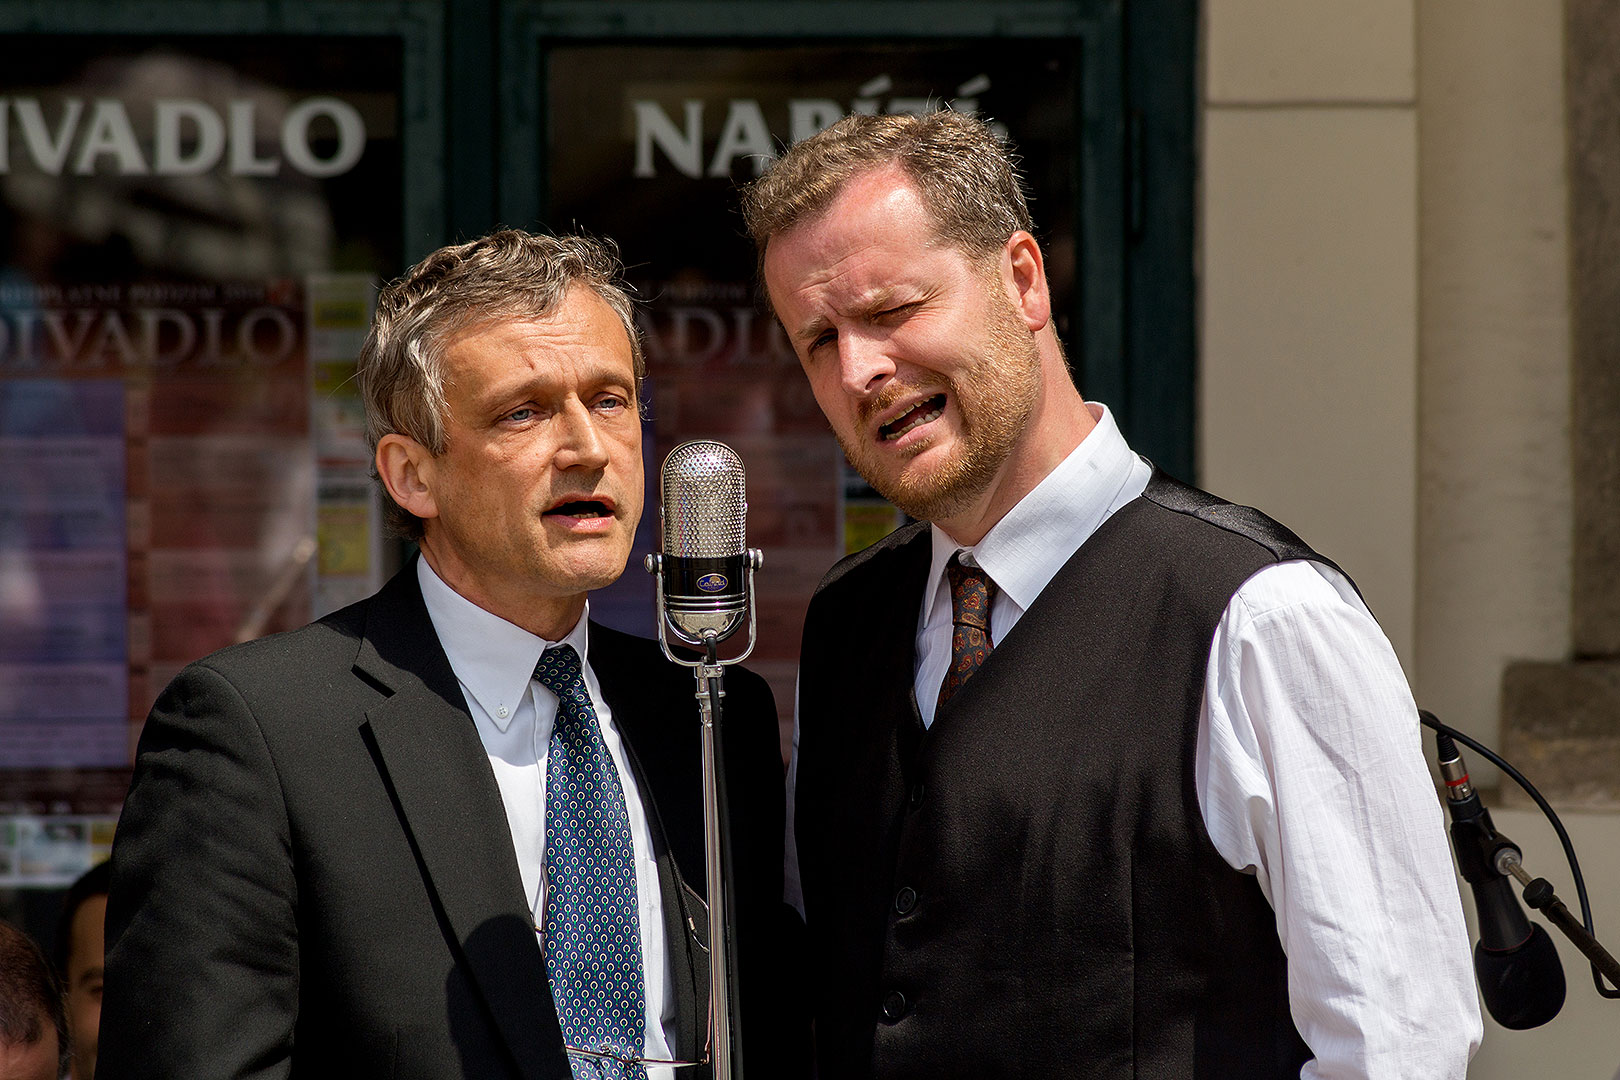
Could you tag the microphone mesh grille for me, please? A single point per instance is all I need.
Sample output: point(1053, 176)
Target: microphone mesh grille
point(704, 501)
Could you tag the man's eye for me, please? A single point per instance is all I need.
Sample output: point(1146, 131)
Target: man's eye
point(826, 337)
point(611, 403)
point(520, 415)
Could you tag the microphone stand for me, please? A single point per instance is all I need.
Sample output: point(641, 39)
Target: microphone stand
point(1504, 856)
point(709, 674)
point(717, 862)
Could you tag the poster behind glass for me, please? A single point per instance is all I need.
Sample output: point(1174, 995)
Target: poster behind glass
point(648, 145)
point(190, 232)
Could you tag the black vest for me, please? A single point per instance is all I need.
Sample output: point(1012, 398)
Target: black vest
point(1028, 889)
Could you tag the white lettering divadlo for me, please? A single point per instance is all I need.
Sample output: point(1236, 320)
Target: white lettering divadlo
point(110, 133)
point(285, 333)
point(169, 157)
point(78, 338)
point(697, 334)
point(188, 136)
point(351, 137)
point(48, 153)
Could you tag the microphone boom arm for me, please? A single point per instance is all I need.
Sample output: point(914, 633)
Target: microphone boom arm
point(1539, 894)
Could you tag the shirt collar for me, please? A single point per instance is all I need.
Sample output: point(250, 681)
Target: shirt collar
point(493, 659)
point(1032, 541)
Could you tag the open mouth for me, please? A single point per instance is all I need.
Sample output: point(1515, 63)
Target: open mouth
point(921, 413)
point(581, 508)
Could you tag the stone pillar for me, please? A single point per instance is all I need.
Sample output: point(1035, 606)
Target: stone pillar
point(1561, 721)
point(1308, 397)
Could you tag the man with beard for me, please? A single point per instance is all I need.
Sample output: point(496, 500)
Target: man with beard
point(1095, 774)
point(456, 829)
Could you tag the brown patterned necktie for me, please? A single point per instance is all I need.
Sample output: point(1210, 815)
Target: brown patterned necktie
point(971, 592)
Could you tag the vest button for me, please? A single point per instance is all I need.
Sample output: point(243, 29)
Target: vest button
point(894, 1005)
point(905, 900)
point(916, 796)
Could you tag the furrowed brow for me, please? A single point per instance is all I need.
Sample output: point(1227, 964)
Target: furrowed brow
point(812, 329)
point(878, 300)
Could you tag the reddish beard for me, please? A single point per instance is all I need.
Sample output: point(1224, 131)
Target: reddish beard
point(993, 396)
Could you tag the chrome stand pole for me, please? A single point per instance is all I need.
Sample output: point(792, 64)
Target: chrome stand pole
point(726, 1054)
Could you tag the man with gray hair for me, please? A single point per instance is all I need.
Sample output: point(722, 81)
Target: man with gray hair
point(1094, 774)
point(454, 829)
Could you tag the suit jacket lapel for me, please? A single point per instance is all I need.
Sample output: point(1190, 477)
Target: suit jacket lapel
point(892, 637)
point(435, 765)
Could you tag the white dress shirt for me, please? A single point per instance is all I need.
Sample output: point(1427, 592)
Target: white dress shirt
point(494, 662)
point(1309, 772)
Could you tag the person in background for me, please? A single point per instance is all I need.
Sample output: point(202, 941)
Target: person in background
point(454, 830)
point(80, 961)
point(33, 1024)
point(1094, 774)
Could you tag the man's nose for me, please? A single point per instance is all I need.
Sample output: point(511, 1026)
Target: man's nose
point(579, 443)
point(864, 364)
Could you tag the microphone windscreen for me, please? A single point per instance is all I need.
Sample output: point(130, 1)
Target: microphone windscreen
point(1522, 987)
point(704, 501)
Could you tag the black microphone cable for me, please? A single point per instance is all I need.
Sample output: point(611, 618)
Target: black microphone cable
point(1429, 720)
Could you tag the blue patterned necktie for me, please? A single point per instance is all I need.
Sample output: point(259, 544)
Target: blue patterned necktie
point(592, 930)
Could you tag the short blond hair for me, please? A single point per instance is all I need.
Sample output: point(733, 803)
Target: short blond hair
point(508, 274)
point(967, 177)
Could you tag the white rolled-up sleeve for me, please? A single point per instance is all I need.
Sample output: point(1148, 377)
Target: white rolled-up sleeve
point(1311, 775)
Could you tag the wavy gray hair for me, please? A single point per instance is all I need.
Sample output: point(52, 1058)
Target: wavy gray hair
point(508, 274)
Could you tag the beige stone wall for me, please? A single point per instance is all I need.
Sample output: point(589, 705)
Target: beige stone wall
point(1563, 715)
point(1382, 182)
point(1494, 518)
point(1309, 307)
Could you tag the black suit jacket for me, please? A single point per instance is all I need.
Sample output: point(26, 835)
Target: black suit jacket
point(313, 873)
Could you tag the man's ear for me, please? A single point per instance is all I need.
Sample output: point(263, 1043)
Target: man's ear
point(1024, 271)
point(406, 469)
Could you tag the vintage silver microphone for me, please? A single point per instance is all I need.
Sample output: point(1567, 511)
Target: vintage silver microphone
point(705, 574)
point(705, 592)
